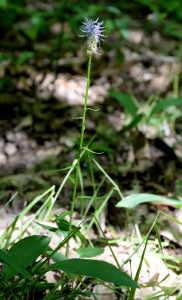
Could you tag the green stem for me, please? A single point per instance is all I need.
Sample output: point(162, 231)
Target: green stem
point(79, 154)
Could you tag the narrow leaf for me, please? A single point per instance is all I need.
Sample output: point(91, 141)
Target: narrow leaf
point(166, 103)
point(61, 216)
point(127, 101)
point(67, 168)
point(88, 197)
point(91, 150)
point(133, 123)
point(93, 109)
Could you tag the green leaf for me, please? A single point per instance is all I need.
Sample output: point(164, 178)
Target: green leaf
point(89, 252)
point(3, 4)
point(133, 123)
point(91, 150)
point(88, 197)
point(63, 225)
point(50, 228)
point(114, 10)
point(67, 168)
point(6, 259)
point(93, 109)
point(61, 216)
point(61, 230)
point(132, 293)
point(133, 200)
point(32, 34)
point(175, 220)
point(57, 257)
point(125, 33)
point(81, 237)
point(96, 269)
point(24, 56)
point(72, 180)
point(119, 56)
point(166, 103)
point(127, 101)
point(25, 252)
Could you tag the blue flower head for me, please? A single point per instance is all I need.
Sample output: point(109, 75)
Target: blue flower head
point(93, 32)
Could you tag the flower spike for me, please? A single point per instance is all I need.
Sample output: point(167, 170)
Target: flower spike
point(93, 32)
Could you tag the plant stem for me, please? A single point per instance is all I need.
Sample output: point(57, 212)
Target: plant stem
point(79, 153)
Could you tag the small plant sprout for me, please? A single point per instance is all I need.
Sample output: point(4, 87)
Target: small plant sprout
point(93, 32)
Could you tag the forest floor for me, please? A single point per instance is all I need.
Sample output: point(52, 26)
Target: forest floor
point(39, 133)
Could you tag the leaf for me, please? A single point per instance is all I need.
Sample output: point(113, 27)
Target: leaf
point(96, 269)
point(132, 293)
point(6, 259)
point(89, 252)
point(72, 179)
point(88, 197)
point(50, 228)
point(133, 123)
point(67, 168)
point(63, 225)
point(133, 200)
point(127, 101)
point(102, 148)
point(166, 103)
point(57, 257)
point(119, 56)
point(93, 109)
point(24, 56)
point(114, 10)
point(91, 150)
point(81, 237)
point(125, 33)
point(61, 216)
point(175, 220)
point(61, 230)
point(25, 252)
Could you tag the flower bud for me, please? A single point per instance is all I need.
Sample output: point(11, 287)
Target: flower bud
point(93, 32)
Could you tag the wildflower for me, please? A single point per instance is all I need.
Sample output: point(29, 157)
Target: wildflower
point(93, 32)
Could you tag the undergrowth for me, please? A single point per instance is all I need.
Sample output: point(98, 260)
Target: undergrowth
point(26, 259)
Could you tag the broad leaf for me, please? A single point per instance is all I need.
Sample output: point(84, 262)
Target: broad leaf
point(25, 252)
point(133, 200)
point(57, 257)
point(89, 252)
point(96, 269)
point(6, 259)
